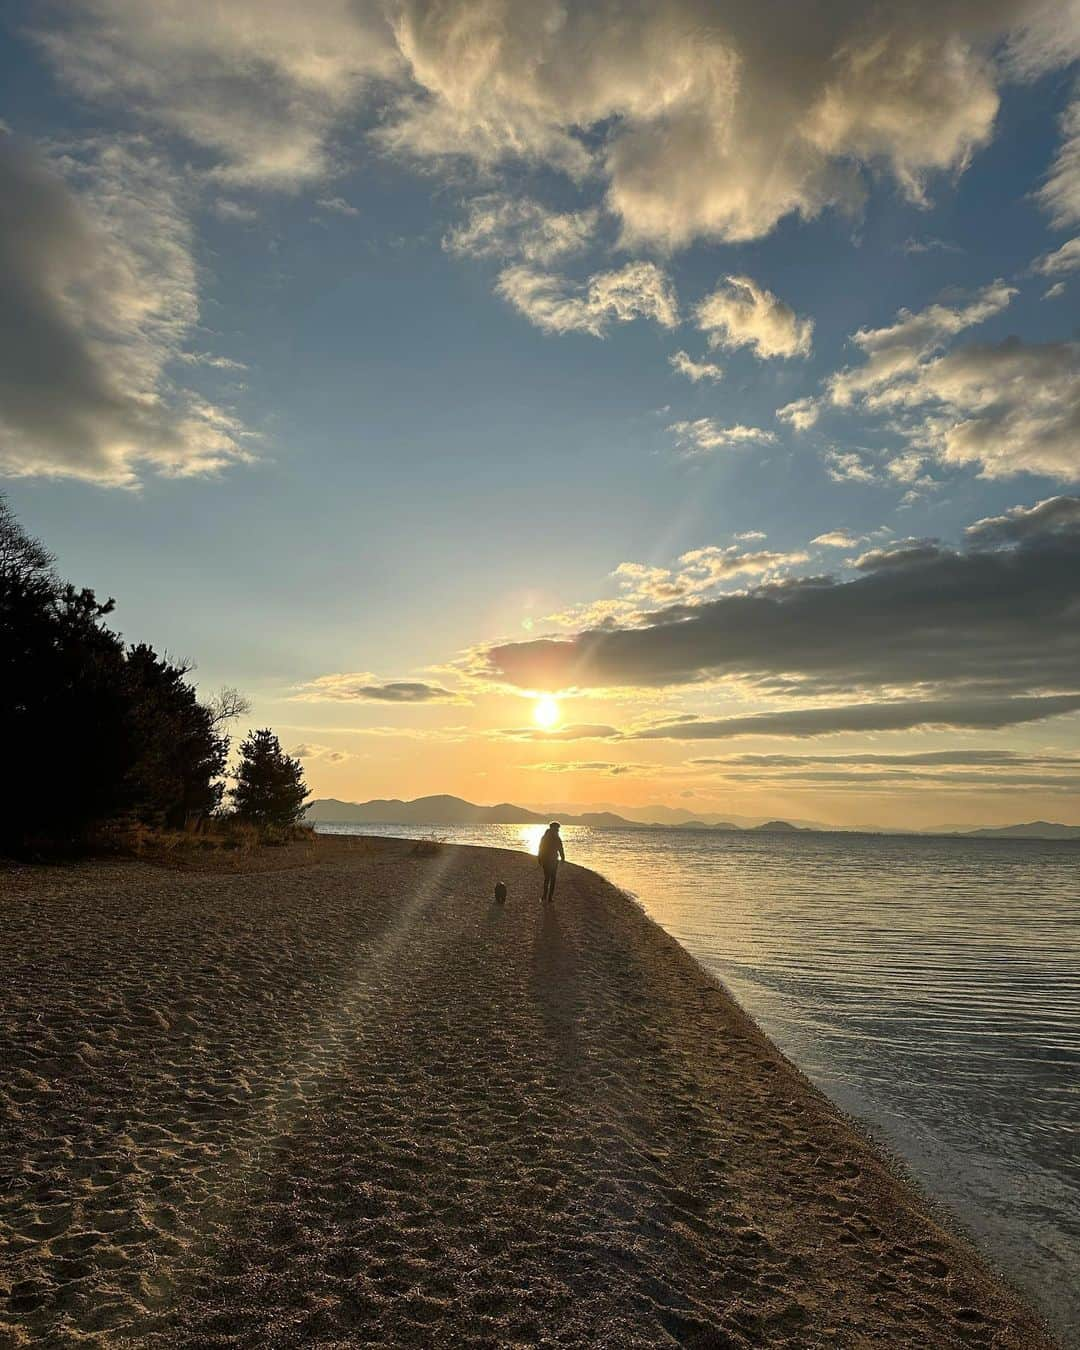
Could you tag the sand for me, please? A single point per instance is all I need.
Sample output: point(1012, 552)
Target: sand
point(354, 1102)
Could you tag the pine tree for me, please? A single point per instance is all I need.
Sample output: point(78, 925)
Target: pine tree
point(270, 788)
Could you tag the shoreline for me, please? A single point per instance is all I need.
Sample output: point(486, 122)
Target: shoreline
point(347, 1098)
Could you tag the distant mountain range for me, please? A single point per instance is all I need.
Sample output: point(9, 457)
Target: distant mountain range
point(1035, 829)
point(446, 810)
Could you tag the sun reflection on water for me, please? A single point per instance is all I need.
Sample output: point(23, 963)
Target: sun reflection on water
point(530, 836)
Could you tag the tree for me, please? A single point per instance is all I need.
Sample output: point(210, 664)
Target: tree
point(178, 754)
point(270, 787)
point(94, 731)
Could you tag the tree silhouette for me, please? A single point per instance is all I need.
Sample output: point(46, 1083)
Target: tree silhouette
point(270, 788)
point(94, 731)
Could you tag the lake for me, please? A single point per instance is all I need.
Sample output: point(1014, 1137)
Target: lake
point(931, 986)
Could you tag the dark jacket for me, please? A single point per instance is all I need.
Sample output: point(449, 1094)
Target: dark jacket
point(551, 849)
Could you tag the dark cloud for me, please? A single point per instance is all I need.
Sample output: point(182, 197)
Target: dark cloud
point(403, 691)
point(916, 759)
point(958, 624)
point(364, 688)
point(1055, 515)
point(98, 292)
point(909, 715)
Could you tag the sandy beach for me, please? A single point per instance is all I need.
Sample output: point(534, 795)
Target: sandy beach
point(343, 1098)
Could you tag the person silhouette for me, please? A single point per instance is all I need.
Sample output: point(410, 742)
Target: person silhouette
point(548, 855)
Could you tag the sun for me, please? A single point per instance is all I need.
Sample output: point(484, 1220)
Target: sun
point(546, 712)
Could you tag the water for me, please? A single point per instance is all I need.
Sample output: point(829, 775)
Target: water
point(930, 986)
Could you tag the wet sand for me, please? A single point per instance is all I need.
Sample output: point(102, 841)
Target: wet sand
point(346, 1099)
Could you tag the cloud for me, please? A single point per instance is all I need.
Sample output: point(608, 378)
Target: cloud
point(236, 212)
point(913, 759)
point(499, 226)
point(1062, 260)
point(576, 731)
point(1054, 516)
point(98, 295)
point(988, 620)
point(845, 466)
point(698, 118)
point(697, 572)
point(837, 539)
point(338, 205)
point(944, 714)
point(802, 414)
point(1055, 292)
point(740, 313)
point(1060, 194)
point(309, 750)
point(211, 361)
point(929, 245)
point(697, 371)
point(895, 352)
point(604, 766)
point(1009, 407)
point(558, 305)
point(260, 85)
point(983, 770)
point(704, 434)
point(362, 687)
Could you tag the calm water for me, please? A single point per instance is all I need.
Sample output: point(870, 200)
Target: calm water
point(930, 986)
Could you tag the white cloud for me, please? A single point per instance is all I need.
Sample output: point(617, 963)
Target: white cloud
point(704, 568)
point(1010, 407)
point(499, 226)
point(97, 265)
point(845, 466)
point(1055, 292)
point(702, 118)
point(704, 435)
point(802, 414)
point(338, 206)
point(838, 539)
point(693, 575)
point(909, 468)
point(896, 351)
point(1060, 194)
point(740, 313)
point(929, 245)
point(558, 305)
point(1063, 260)
point(239, 213)
point(697, 371)
point(211, 361)
point(260, 84)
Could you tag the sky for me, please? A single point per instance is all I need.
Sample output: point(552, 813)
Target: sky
point(587, 404)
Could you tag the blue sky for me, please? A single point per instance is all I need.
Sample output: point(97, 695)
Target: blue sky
point(381, 313)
